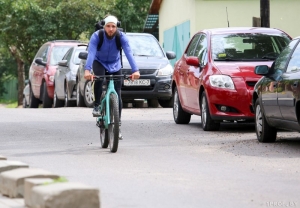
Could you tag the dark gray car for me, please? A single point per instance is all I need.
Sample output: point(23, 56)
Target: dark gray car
point(65, 77)
point(156, 72)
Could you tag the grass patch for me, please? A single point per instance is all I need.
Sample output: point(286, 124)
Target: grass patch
point(9, 103)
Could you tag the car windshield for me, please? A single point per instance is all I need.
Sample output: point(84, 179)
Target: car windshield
point(58, 53)
point(143, 45)
point(76, 59)
point(248, 46)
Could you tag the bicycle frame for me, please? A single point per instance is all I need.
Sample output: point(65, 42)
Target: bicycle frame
point(105, 102)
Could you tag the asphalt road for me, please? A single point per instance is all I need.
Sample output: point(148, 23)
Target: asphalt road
point(159, 163)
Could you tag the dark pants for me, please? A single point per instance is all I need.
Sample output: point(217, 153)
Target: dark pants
point(99, 70)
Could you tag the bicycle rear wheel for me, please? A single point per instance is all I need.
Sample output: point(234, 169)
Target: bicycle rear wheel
point(113, 127)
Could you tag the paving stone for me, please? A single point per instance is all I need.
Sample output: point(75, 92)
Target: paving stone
point(6, 165)
point(2, 157)
point(12, 181)
point(65, 195)
point(29, 183)
point(6, 202)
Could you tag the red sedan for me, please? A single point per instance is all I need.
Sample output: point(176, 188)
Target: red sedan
point(215, 76)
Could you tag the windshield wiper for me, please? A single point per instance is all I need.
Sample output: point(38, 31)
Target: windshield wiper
point(227, 59)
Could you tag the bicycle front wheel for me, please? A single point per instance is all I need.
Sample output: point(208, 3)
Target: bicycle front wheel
point(113, 127)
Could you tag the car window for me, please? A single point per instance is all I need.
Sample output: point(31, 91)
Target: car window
point(76, 59)
point(58, 53)
point(42, 53)
point(294, 64)
point(281, 61)
point(201, 50)
point(69, 54)
point(250, 46)
point(144, 45)
point(192, 46)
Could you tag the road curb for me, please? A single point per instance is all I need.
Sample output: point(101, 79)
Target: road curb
point(25, 187)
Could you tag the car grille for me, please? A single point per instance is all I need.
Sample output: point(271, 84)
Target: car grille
point(142, 71)
point(251, 83)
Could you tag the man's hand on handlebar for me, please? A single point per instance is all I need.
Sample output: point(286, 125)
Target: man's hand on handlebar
point(135, 75)
point(88, 75)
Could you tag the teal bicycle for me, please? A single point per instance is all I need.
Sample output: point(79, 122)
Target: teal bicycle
point(109, 119)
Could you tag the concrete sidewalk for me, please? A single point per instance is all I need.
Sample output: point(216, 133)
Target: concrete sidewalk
point(6, 202)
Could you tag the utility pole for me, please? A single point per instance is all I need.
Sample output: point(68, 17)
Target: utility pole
point(265, 13)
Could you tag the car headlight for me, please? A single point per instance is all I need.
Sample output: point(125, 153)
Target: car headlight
point(221, 81)
point(51, 78)
point(167, 70)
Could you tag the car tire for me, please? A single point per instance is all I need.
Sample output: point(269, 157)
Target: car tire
point(152, 103)
point(33, 101)
point(47, 101)
point(179, 115)
point(79, 97)
point(24, 102)
point(264, 132)
point(166, 103)
point(207, 123)
point(68, 103)
point(56, 102)
point(88, 94)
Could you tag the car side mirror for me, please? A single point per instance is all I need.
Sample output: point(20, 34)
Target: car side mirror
point(40, 61)
point(63, 63)
point(192, 61)
point(83, 55)
point(170, 55)
point(261, 70)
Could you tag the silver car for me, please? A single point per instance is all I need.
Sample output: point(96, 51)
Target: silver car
point(65, 78)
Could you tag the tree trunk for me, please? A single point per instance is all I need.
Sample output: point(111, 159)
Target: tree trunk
point(21, 73)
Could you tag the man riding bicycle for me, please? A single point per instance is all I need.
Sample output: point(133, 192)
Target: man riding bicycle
point(107, 60)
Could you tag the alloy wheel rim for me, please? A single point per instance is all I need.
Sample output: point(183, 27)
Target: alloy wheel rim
point(77, 94)
point(66, 98)
point(258, 120)
point(203, 111)
point(89, 93)
point(175, 105)
point(54, 98)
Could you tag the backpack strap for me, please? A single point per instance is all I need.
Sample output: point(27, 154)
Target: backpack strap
point(119, 45)
point(101, 36)
point(118, 42)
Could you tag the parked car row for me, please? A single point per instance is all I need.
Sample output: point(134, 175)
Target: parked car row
point(56, 76)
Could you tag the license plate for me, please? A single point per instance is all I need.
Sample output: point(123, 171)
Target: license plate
point(137, 82)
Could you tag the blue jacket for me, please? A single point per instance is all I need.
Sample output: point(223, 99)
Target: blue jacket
point(109, 55)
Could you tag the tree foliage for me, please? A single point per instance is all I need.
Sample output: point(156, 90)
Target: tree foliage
point(131, 13)
point(26, 24)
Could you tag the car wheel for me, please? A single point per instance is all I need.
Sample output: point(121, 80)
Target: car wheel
point(24, 102)
point(33, 101)
point(207, 123)
point(166, 103)
point(56, 102)
point(152, 103)
point(68, 103)
point(79, 97)
point(89, 94)
point(179, 115)
point(264, 132)
point(47, 101)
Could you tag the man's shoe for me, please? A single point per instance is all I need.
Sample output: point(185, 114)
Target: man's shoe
point(96, 111)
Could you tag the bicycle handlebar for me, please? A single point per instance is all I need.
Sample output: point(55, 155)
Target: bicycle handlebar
point(114, 77)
